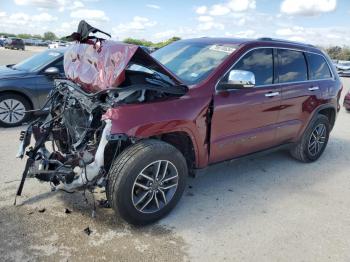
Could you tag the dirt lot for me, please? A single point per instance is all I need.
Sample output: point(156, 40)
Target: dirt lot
point(267, 209)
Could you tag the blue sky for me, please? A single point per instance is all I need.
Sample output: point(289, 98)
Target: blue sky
point(322, 22)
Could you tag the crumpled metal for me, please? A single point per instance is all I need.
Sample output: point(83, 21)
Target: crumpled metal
point(98, 66)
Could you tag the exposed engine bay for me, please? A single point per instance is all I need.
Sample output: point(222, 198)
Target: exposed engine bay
point(74, 146)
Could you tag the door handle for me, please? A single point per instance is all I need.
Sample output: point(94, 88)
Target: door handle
point(272, 94)
point(314, 88)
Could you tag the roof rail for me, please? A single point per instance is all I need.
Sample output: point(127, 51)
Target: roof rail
point(284, 41)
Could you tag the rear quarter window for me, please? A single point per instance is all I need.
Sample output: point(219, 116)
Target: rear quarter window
point(318, 67)
point(292, 66)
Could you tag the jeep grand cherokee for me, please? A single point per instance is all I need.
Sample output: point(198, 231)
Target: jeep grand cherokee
point(139, 124)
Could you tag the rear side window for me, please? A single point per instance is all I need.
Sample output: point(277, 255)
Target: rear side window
point(292, 66)
point(318, 67)
point(259, 62)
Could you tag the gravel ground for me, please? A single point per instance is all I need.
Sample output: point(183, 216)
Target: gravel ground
point(270, 208)
point(8, 57)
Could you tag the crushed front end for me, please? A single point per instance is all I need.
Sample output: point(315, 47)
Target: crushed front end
point(70, 142)
point(73, 145)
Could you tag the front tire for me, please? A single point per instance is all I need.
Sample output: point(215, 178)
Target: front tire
point(146, 181)
point(13, 109)
point(314, 140)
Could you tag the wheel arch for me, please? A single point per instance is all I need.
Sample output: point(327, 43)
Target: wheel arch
point(330, 113)
point(25, 96)
point(182, 142)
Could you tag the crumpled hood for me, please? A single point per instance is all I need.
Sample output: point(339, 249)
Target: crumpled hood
point(101, 66)
point(7, 72)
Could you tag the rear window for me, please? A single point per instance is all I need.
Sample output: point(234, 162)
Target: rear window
point(318, 67)
point(292, 66)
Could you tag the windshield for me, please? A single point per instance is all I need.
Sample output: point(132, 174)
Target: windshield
point(193, 62)
point(35, 62)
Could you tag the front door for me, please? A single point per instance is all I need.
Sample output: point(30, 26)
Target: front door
point(244, 120)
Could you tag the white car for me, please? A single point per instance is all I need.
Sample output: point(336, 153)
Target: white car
point(57, 44)
point(343, 65)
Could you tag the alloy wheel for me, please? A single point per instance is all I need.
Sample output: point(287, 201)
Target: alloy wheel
point(12, 111)
point(317, 140)
point(155, 186)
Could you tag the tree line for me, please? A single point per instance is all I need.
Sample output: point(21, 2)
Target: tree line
point(335, 52)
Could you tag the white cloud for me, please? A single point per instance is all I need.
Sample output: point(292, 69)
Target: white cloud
point(201, 10)
point(43, 17)
point(241, 5)
point(89, 14)
point(205, 18)
point(76, 5)
point(49, 4)
point(165, 34)
point(22, 18)
point(243, 34)
point(308, 7)
point(210, 25)
point(153, 6)
point(133, 28)
point(317, 36)
point(227, 7)
point(219, 10)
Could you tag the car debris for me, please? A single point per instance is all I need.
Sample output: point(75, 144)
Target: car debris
point(78, 124)
point(88, 231)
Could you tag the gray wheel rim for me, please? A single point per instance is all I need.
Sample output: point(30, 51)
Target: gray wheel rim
point(12, 111)
point(155, 186)
point(317, 139)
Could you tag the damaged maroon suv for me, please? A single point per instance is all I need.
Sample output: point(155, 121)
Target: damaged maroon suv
point(139, 124)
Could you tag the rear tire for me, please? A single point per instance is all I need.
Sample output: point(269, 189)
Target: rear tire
point(146, 181)
point(314, 140)
point(12, 110)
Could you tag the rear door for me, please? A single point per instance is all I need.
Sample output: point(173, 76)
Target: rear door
point(244, 120)
point(299, 93)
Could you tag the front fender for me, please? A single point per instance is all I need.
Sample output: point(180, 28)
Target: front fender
point(185, 114)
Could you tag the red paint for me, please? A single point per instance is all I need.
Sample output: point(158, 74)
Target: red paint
point(347, 101)
point(243, 121)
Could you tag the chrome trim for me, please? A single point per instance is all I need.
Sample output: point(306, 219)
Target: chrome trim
point(314, 88)
point(272, 94)
point(275, 84)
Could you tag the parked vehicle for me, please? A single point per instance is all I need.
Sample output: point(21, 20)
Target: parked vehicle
point(14, 43)
point(25, 86)
point(347, 101)
point(343, 66)
point(141, 130)
point(57, 44)
point(344, 73)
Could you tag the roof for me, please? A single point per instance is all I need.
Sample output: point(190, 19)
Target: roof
point(243, 41)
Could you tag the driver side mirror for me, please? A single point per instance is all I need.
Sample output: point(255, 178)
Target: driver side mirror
point(238, 79)
point(52, 71)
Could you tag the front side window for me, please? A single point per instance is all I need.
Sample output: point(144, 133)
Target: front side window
point(260, 63)
point(318, 67)
point(292, 66)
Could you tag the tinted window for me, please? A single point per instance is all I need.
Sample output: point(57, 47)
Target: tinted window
point(259, 62)
point(37, 61)
point(59, 65)
point(292, 66)
point(318, 67)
